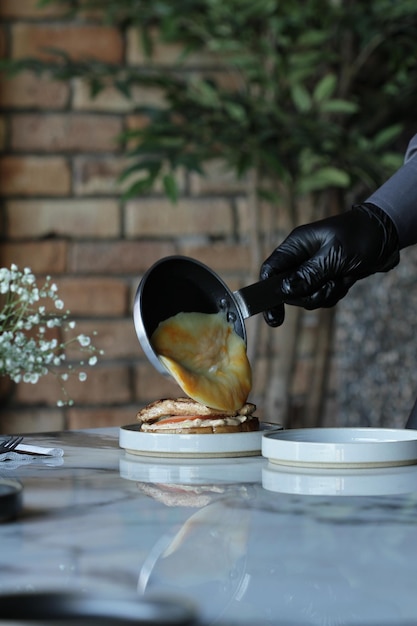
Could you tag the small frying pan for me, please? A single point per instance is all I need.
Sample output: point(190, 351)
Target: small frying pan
point(180, 284)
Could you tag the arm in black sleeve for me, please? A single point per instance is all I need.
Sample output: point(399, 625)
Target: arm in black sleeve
point(397, 197)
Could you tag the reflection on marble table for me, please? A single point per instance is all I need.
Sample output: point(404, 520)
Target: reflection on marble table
point(219, 532)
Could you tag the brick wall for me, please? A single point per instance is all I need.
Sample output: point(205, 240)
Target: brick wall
point(62, 214)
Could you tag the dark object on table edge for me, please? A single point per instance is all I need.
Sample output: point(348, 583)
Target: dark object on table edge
point(80, 609)
point(11, 498)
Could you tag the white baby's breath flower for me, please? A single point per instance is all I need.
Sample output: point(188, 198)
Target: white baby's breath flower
point(26, 353)
point(83, 340)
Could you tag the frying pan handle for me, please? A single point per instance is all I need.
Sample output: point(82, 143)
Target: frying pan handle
point(260, 296)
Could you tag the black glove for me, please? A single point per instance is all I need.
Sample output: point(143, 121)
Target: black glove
point(325, 258)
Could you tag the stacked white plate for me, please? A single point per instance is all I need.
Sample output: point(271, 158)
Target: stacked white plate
point(134, 441)
point(341, 447)
point(340, 461)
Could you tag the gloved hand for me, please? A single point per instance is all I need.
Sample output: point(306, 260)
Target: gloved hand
point(325, 258)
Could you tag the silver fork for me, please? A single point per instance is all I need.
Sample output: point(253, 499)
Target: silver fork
point(10, 444)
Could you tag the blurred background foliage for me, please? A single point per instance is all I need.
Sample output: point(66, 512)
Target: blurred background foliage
point(318, 92)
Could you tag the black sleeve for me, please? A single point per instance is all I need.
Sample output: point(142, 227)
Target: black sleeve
point(398, 197)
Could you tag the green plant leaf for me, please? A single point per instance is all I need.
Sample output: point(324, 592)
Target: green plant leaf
point(236, 111)
point(150, 165)
point(146, 42)
point(123, 87)
point(324, 178)
point(205, 93)
point(392, 161)
point(313, 37)
point(308, 59)
point(191, 162)
point(386, 135)
point(325, 88)
point(96, 86)
point(139, 187)
point(339, 106)
point(171, 187)
point(301, 98)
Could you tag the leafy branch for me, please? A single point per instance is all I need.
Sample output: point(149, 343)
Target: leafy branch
point(294, 90)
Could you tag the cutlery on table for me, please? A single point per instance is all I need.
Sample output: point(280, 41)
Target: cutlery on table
point(10, 444)
point(14, 443)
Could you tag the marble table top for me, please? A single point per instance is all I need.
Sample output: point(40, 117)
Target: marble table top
point(219, 532)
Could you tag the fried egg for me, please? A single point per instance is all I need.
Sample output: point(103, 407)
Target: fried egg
point(206, 357)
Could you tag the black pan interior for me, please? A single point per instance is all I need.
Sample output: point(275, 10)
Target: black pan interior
point(179, 284)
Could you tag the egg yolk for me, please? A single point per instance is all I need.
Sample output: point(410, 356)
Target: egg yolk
point(206, 357)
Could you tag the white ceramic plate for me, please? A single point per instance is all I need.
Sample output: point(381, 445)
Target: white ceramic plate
point(379, 481)
point(169, 445)
point(191, 471)
point(341, 447)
